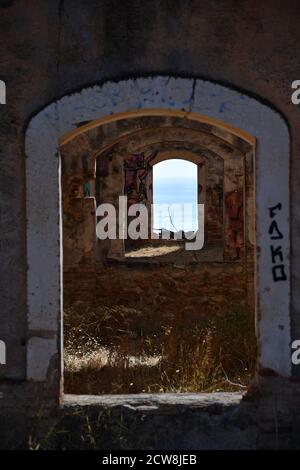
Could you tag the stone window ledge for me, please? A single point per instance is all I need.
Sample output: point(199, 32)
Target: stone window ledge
point(148, 401)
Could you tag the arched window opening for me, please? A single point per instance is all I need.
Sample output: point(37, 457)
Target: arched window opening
point(159, 306)
point(175, 198)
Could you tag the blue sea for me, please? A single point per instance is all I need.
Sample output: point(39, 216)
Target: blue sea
point(169, 192)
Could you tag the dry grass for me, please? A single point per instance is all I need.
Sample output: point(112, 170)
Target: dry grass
point(121, 350)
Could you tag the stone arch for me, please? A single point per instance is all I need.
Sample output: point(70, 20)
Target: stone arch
point(225, 109)
point(140, 133)
point(111, 142)
point(101, 134)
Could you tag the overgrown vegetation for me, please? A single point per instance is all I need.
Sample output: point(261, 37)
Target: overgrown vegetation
point(116, 349)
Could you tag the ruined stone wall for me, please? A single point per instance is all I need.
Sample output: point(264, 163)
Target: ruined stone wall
point(125, 168)
point(198, 291)
point(79, 224)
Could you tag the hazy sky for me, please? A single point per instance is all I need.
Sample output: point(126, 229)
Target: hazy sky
point(175, 184)
point(174, 169)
